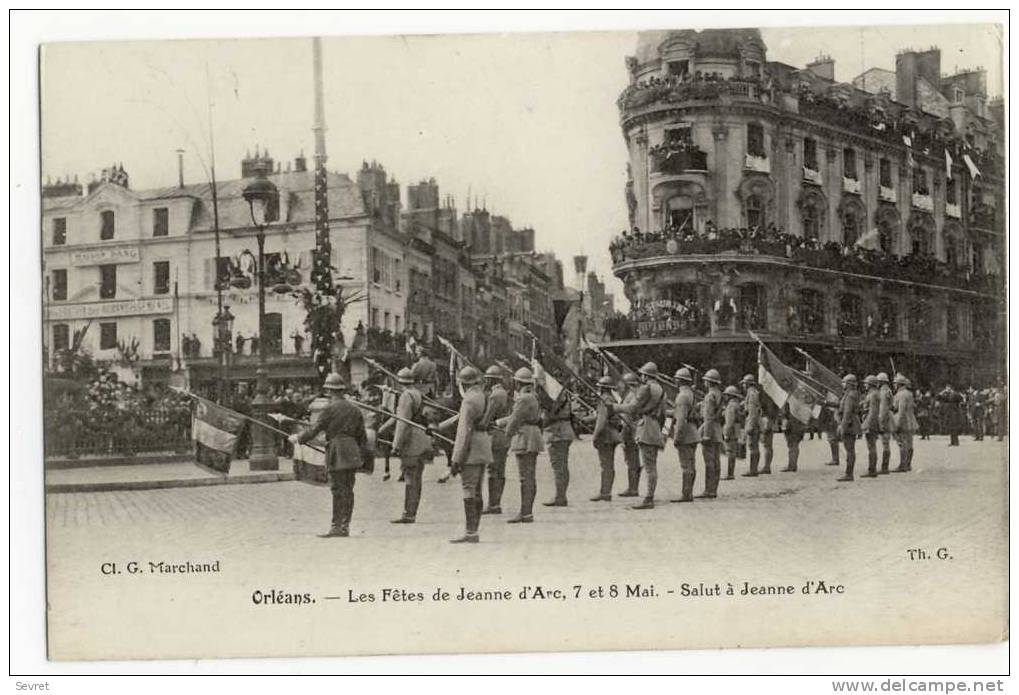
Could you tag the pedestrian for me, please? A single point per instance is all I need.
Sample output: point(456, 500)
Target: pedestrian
point(848, 423)
point(884, 419)
point(686, 436)
point(711, 432)
point(793, 430)
point(606, 437)
point(631, 450)
point(904, 422)
point(871, 424)
point(952, 413)
point(730, 429)
point(343, 426)
point(499, 404)
point(752, 426)
point(411, 445)
point(649, 406)
point(557, 421)
point(472, 449)
point(522, 429)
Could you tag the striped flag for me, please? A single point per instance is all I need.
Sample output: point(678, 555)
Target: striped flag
point(783, 386)
point(215, 430)
point(822, 374)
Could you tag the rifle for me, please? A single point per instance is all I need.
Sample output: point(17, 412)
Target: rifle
point(566, 389)
point(429, 401)
point(449, 346)
point(565, 367)
point(428, 430)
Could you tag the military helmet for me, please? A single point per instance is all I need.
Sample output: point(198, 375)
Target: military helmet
point(606, 382)
point(732, 391)
point(335, 382)
point(849, 379)
point(901, 379)
point(524, 376)
point(468, 376)
point(682, 374)
point(649, 369)
point(630, 378)
point(713, 376)
point(882, 377)
point(748, 379)
point(870, 380)
point(405, 376)
point(494, 372)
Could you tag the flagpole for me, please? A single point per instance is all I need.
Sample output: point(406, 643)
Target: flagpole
point(392, 376)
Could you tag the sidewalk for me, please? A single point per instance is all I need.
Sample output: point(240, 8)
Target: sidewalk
point(156, 477)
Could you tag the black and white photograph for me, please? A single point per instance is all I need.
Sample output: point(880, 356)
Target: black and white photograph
point(687, 337)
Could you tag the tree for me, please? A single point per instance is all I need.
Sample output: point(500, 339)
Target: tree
point(324, 308)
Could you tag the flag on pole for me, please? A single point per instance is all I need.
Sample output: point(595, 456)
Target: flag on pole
point(948, 165)
point(973, 171)
point(784, 387)
point(215, 431)
point(310, 465)
point(829, 379)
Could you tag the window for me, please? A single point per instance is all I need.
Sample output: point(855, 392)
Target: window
point(59, 231)
point(375, 318)
point(977, 258)
point(886, 234)
point(396, 324)
point(953, 324)
point(921, 240)
point(810, 153)
point(888, 319)
point(810, 311)
point(754, 211)
point(813, 218)
point(755, 140)
point(107, 281)
point(161, 277)
point(850, 315)
point(950, 192)
point(223, 272)
point(160, 335)
point(274, 333)
point(161, 222)
point(753, 307)
point(61, 337)
point(679, 68)
point(920, 321)
point(59, 285)
point(884, 172)
point(920, 182)
point(849, 163)
point(107, 336)
point(397, 282)
point(679, 214)
point(678, 135)
point(107, 225)
point(852, 226)
point(386, 324)
point(953, 251)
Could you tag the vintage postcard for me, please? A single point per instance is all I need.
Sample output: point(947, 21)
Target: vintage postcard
point(678, 338)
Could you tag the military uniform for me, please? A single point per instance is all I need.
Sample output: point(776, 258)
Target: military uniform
point(414, 447)
point(472, 452)
point(711, 439)
point(522, 429)
point(792, 430)
point(607, 435)
point(849, 425)
point(753, 416)
point(343, 426)
point(499, 405)
point(631, 450)
point(686, 439)
point(904, 424)
point(871, 427)
point(731, 417)
point(425, 373)
point(978, 413)
point(559, 434)
point(769, 425)
point(884, 421)
point(648, 405)
point(951, 408)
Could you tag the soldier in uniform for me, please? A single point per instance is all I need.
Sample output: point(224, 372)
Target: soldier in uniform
point(711, 433)
point(557, 418)
point(769, 425)
point(686, 436)
point(522, 429)
point(752, 426)
point(499, 403)
point(952, 414)
point(829, 425)
point(884, 420)
point(412, 445)
point(848, 419)
point(871, 426)
point(731, 416)
point(649, 405)
point(1000, 412)
point(631, 450)
point(425, 371)
point(607, 435)
point(904, 422)
point(472, 448)
point(343, 425)
point(792, 429)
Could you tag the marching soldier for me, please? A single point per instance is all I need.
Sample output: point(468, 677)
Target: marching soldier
point(608, 433)
point(752, 412)
point(648, 405)
point(412, 445)
point(711, 433)
point(871, 422)
point(884, 420)
point(522, 430)
point(343, 426)
point(558, 431)
point(686, 436)
point(848, 423)
point(730, 429)
point(472, 449)
point(631, 450)
point(499, 404)
point(425, 371)
point(793, 430)
point(904, 422)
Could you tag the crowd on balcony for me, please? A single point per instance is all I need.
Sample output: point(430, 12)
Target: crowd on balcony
point(769, 240)
point(686, 87)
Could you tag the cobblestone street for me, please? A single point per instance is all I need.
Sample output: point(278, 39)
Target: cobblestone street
point(783, 528)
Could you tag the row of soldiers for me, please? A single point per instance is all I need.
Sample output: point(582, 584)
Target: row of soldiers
point(635, 414)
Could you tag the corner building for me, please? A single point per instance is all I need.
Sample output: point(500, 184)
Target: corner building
point(860, 221)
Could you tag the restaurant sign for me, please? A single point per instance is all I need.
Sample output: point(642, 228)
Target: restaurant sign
point(95, 310)
point(121, 254)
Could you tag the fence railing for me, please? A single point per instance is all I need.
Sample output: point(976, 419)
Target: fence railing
point(79, 432)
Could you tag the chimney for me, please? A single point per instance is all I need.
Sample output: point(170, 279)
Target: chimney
point(180, 168)
point(910, 67)
point(823, 66)
point(301, 164)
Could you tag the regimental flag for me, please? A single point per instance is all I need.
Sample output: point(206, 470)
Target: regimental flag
point(829, 379)
point(973, 171)
point(784, 386)
point(310, 465)
point(215, 430)
point(948, 165)
point(548, 383)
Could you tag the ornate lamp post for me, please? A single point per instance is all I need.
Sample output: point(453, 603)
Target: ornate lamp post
point(222, 336)
point(263, 200)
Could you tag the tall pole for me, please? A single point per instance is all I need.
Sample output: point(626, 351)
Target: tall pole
point(262, 383)
point(322, 346)
point(224, 345)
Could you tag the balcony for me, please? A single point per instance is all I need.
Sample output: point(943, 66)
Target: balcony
point(672, 91)
point(850, 185)
point(677, 159)
point(757, 163)
point(812, 176)
point(953, 210)
point(923, 201)
point(887, 194)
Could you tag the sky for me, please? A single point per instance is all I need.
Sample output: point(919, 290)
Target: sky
point(526, 123)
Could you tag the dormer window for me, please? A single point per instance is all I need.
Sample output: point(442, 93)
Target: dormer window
point(107, 225)
point(679, 68)
point(59, 231)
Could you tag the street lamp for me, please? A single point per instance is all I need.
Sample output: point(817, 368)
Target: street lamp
point(222, 338)
point(263, 201)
